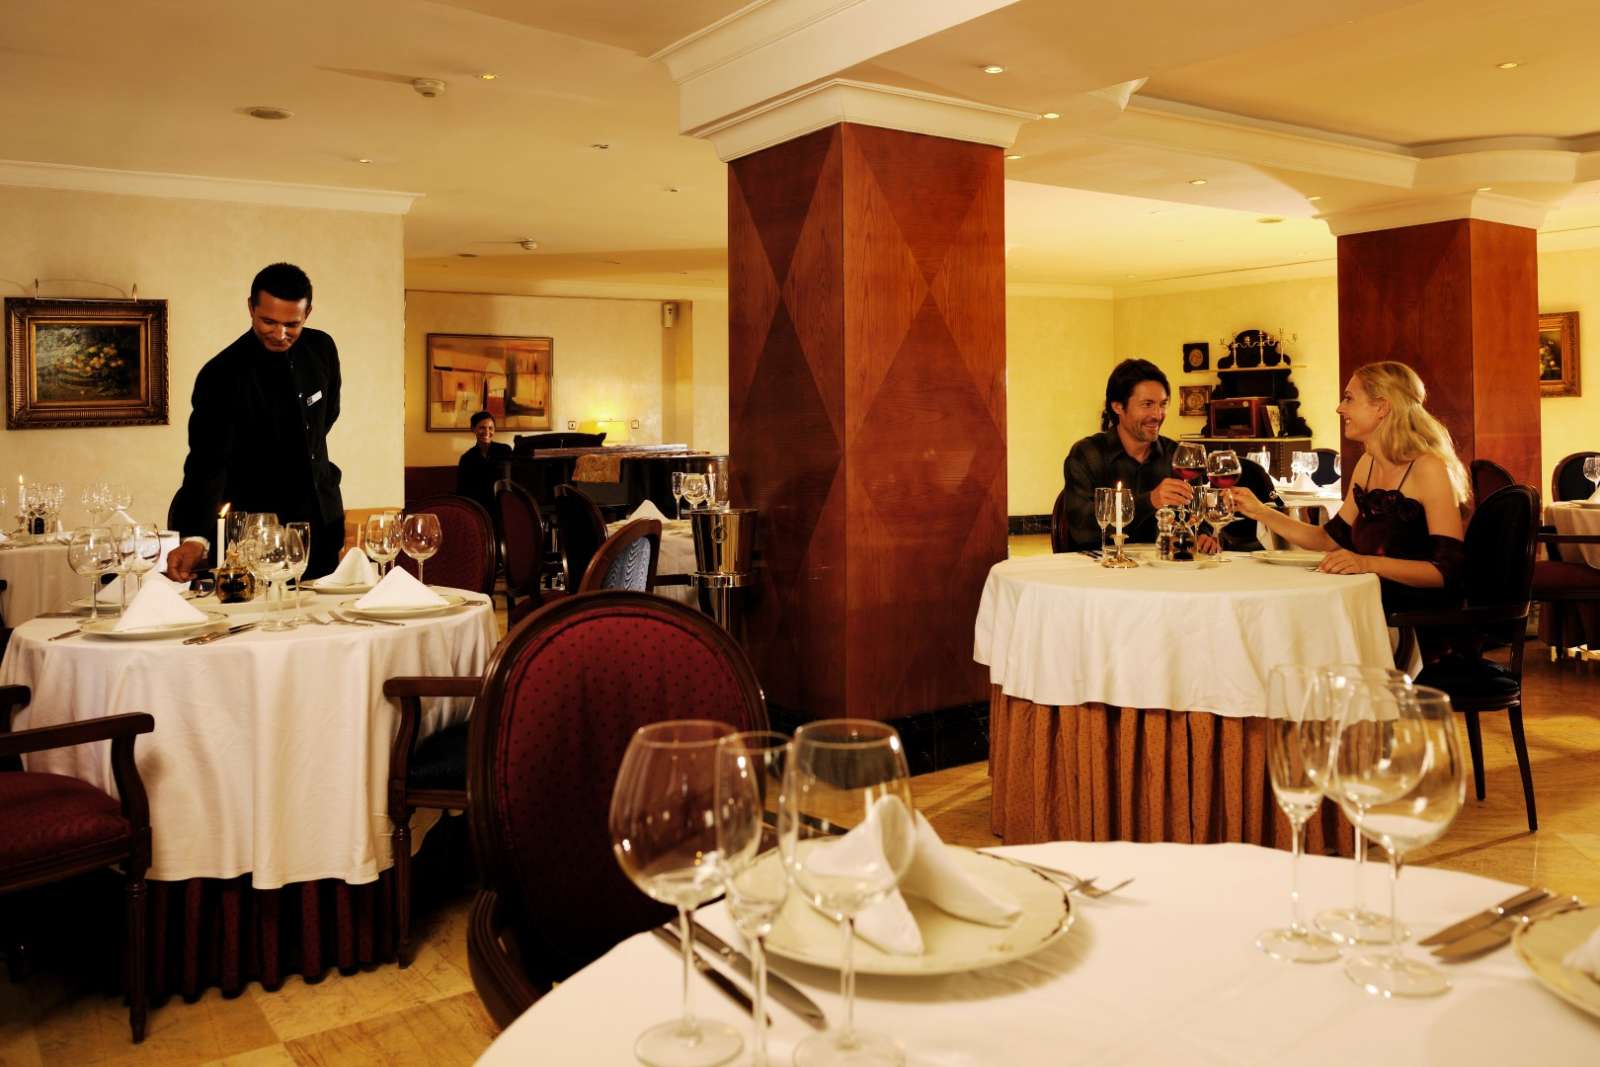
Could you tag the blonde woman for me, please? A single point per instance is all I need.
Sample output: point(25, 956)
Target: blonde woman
point(1402, 519)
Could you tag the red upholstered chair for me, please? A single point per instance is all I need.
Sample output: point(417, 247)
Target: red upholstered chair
point(466, 558)
point(53, 826)
point(626, 560)
point(522, 541)
point(565, 691)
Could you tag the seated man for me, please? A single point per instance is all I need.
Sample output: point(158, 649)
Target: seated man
point(1129, 449)
point(483, 464)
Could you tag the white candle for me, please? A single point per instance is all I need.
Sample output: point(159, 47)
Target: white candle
point(1118, 498)
point(22, 492)
point(222, 534)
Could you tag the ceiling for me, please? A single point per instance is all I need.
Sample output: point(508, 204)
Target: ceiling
point(1095, 200)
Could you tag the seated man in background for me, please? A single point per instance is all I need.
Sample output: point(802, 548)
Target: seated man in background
point(483, 464)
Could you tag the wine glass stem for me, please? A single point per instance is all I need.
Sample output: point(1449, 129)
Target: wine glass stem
point(1395, 860)
point(1360, 905)
point(1103, 540)
point(758, 961)
point(94, 598)
point(1296, 835)
point(686, 932)
point(847, 984)
point(420, 578)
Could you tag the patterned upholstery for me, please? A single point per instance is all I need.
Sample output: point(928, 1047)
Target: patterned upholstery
point(547, 739)
point(631, 569)
point(52, 813)
point(467, 555)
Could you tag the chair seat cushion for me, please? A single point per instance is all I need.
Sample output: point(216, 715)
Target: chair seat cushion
point(1471, 683)
point(52, 814)
point(440, 761)
point(1553, 578)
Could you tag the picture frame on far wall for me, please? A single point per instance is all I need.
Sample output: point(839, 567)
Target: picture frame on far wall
point(1560, 373)
point(85, 363)
point(1194, 401)
point(509, 377)
point(1197, 356)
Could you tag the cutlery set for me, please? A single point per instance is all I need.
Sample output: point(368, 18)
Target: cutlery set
point(779, 988)
point(218, 635)
point(1494, 926)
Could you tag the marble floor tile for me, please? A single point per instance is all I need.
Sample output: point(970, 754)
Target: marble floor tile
point(445, 1033)
point(298, 1008)
point(270, 1056)
point(80, 1028)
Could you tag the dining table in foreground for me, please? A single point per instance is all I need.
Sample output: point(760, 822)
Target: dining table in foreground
point(1164, 971)
point(1130, 704)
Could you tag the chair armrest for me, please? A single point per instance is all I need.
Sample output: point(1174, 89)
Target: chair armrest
point(40, 738)
point(1569, 539)
point(431, 686)
point(1460, 616)
point(12, 697)
point(407, 693)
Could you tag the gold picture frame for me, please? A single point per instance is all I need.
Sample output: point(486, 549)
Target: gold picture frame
point(1559, 369)
point(85, 363)
point(509, 377)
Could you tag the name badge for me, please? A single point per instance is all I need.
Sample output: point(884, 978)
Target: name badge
point(313, 398)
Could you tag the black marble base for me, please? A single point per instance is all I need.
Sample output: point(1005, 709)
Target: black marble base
point(1027, 524)
point(934, 740)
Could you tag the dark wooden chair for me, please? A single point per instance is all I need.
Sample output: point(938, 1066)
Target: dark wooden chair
point(565, 691)
point(5, 631)
point(1327, 464)
point(626, 560)
point(580, 531)
point(1060, 539)
point(1566, 587)
point(522, 543)
point(53, 827)
point(1566, 478)
point(1488, 478)
point(466, 558)
point(1500, 541)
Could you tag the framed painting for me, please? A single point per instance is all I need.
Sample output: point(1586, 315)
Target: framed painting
point(1193, 401)
point(85, 363)
point(509, 377)
point(1559, 372)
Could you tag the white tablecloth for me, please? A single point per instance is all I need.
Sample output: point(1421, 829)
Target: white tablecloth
point(39, 579)
point(1314, 508)
point(271, 750)
point(1164, 972)
point(1569, 518)
point(1064, 630)
point(677, 556)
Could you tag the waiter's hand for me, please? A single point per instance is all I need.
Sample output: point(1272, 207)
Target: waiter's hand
point(183, 561)
point(1172, 492)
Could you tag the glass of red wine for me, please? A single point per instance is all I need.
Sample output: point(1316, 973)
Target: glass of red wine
point(1188, 463)
point(1223, 468)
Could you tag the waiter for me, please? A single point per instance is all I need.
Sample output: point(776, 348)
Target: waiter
point(258, 431)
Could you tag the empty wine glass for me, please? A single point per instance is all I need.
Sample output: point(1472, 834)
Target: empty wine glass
point(1215, 507)
point(750, 769)
point(846, 775)
point(1295, 694)
point(382, 538)
point(1591, 470)
point(1431, 757)
point(694, 490)
point(420, 538)
point(1263, 459)
point(91, 553)
point(1303, 463)
point(664, 836)
point(268, 554)
point(1103, 507)
point(142, 545)
point(677, 494)
point(299, 560)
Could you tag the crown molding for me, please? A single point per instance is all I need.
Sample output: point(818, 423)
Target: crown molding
point(1058, 291)
point(198, 187)
point(1487, 207)
point(1231, 279)
point(841, 100)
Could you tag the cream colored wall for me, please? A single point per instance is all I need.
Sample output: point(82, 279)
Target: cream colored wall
point(1058, 352)
point(608, 360)
point(200, 256)
point(710, 386)
point(1570, 281)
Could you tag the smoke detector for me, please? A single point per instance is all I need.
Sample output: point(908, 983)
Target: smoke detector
point(428, 87)
point(528, 244)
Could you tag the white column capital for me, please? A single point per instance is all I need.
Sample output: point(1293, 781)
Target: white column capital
point(1486, 206)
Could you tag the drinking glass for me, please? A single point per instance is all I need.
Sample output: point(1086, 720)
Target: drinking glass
point(846, 775)
point(421, 537)
point(1223, 468)
point(1295, 694)
point(91, 553)
point(1215, 507)
point(694, 490)
point(677, 494)
point(382, 540)
point(750, 768)
point(1104, 508)
point(1189, 461)
point(267, 553)
point(664, 835)
point(142, 548)
point(1303, 463)
point(1431, 756)
point(1263, 459)
point(299, 559)
point(1591, 470)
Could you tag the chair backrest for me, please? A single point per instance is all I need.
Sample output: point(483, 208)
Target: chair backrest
point(580, 531)
point(626, 560)
point(563, 694)
point(1567, 481)
point(466, 556)
point(1500, 544)
point(1325, 474)
point(526, 443)
point(1060, 536)
point(521, 537)
point(1488, 477)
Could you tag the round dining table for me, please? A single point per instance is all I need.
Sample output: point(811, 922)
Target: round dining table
point(39, 579)
point(1129, 703)
point(1165, 971)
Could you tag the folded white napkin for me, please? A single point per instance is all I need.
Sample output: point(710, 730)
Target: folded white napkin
point(121, 518)
point(1303, 484)
point(399, 590)
point(1585, 957)
point(933, 875)
point(1594, 497)
point(158, 604)
point(647, 510)
point(354, 569)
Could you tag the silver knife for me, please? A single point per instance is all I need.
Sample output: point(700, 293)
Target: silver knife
point(710, 973)
point(781, 989)
point(218, 635)
point(67, 633)
point(1493, 937)
point(1487, 917)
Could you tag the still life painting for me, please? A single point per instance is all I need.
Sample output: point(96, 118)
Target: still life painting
point(85, 363)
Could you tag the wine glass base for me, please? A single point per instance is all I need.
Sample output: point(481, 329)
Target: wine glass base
point(1298, 946)
point(865, 1049)
point(704, 1044)
point(1357, 926)
point(276, 625)
point(1385, 975)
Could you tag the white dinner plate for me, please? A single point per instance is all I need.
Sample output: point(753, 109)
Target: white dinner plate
point(107, 628)
point(1289, 557)
point(321, 585)
point(451, 602)
point(950, 945)
point(1542, 945)
point(1185, 564)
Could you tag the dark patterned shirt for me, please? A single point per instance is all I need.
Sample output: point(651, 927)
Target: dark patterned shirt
point(1100, 460)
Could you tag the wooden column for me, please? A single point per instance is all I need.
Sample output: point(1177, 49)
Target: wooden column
point(1459, 302)
point(867, 412)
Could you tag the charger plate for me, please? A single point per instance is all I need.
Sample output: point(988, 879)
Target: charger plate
point(322, 585)
point(451, 602)
point(950, 945)
point(1289, 557)
point(107, 628)
point(1541, 945)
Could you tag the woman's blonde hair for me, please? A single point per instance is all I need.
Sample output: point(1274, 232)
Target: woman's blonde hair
point(1409, 431)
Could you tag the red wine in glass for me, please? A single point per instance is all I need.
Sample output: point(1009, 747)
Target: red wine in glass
point(1224, 481)
point(1188, 474)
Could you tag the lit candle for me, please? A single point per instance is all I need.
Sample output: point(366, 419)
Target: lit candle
point(222, 534)
point(1118, 520)
point(22, 492)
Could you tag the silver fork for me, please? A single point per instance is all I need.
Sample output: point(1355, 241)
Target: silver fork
point(311, 617)
point(338, 617)
point(1075, 884)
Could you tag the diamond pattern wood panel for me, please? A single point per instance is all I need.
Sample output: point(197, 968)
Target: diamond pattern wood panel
point(867, 412)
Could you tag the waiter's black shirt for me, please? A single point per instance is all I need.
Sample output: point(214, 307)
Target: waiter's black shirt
point(1100, 460)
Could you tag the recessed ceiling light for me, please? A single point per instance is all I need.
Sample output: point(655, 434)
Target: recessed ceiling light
point(1051, 115)
point(1485, 188)
point(1197, 181)
point(488, 76)
point(271, 114)
point(994, 68)
point(1268, 220)
point(1509, 64)
point(600, 146)
point(363, 160)
point(1313, 199)
point(1012, 155)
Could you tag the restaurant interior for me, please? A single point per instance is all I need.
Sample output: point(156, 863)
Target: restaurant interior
point(729, 572)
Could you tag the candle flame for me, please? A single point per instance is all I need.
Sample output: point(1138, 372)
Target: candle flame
point(225, 509)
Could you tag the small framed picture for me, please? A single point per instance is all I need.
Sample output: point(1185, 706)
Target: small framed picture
point(1197, 356)
point(1193, 400)
point(1559, 373)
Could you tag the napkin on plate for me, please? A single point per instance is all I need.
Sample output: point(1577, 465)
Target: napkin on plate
point(647, 510)
point(121, 518)
point(1585, 957)
point(111, 592)
point(1594, 497)
point(158, 604)
point(354, 569)
point(1303, 484)
point(933, 875)
point(399, 590)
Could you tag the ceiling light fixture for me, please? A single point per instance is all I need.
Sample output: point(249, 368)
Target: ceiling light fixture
point(271, 114)
point(1312, 199)
point(994, 68)
point(528, 244)
point(1197, 181)
point(1268, 220)
point(1013, 155)
point(1509, 64)
point(1485, 188)
point(600, 146)
point(488, 76)
point(363, 161)
point(1051, 115)
point(467, 255)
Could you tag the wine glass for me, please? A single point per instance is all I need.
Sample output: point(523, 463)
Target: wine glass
point(1189, 461)
point(664, 835)
point(1104, 507)
point(267, 552)
point(420, 538)
point(1591, 470)
point(1263, 459)
point(1223, 468)
point(382, 540)
point(750, 769)
point(91, 553)
point(142, 547)
point(1216, 509)
point(846, 775)
point(677, 494)
point(299, 560)
point(694, 490)
point(1294, 695)
point(1303, 463)
point(1431, 757)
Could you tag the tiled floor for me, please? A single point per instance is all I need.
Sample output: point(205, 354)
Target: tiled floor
point(428, 1013)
